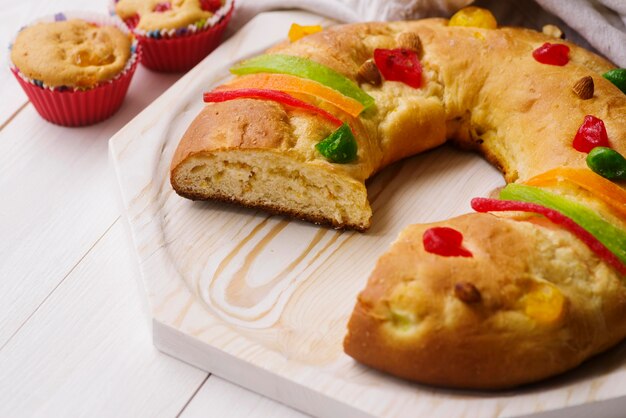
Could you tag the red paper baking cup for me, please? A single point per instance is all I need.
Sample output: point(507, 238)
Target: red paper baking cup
point(78, 107)
point(181, 53)
point(75, 107)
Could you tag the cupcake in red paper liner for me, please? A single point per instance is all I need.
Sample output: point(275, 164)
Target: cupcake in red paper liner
point(175, 35)
point(75, 67)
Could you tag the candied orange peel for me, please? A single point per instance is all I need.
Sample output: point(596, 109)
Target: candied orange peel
point(293, 84)
point(605, 190)
point(297, 32)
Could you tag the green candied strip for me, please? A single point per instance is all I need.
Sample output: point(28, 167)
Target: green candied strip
point(305, 68)
point(612, 237)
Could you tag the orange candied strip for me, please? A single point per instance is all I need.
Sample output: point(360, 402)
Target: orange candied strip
point(293, 84)
point(605, 190)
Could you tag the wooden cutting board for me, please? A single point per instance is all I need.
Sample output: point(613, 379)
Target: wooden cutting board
point(264, 301)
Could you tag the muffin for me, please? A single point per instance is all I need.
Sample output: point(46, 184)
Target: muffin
point(175, 34)
point(74, 68)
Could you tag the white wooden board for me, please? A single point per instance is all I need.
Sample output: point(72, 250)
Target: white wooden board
point(264, 301)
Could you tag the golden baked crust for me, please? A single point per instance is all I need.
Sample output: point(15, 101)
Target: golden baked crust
point(546, 304)
point(467, 97)
point(72, 53)
point(273, 165)
point(533, 301)
point(181, 14)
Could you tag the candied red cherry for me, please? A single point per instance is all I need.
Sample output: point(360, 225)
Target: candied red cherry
point(132, 21)
point(399, 65)
point(445, 241)
point(552, 54)
point(163, 7)
point(591, 134)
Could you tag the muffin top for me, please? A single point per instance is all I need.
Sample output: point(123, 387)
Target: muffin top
point(72, 53)
point(167, 14)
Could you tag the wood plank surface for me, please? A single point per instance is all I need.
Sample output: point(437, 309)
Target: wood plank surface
point(87, 350)
point(218, 398)
point(62, 198)
point(74, 340)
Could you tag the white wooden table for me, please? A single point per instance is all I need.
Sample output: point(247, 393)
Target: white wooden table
point(73, 336)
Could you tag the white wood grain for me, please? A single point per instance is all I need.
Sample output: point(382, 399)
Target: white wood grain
point(57, 183)
point(56, 179)
point(83, 347)
point(87, 350)
point(73, 338)
point(218, 398)
point(264, 302)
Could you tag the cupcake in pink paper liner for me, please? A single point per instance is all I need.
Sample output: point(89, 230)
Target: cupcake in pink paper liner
point(75, 67)
point(175, 35)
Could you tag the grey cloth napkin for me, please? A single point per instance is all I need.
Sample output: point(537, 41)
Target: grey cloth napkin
point(351, 10)
point(599, 24)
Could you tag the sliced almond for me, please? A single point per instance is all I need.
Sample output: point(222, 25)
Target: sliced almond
point(411, 41)
point(552, 30)
point(368, 73)
point(584, 88)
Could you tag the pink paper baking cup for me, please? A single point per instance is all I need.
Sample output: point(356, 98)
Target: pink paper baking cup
point(80, 107)
point(76, 107)
point(181, 53)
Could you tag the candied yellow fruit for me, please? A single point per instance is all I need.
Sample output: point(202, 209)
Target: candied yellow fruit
point(84, 58)
point(544, 303)
point(474, 17)
point(402, 320)
point(298, 32)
